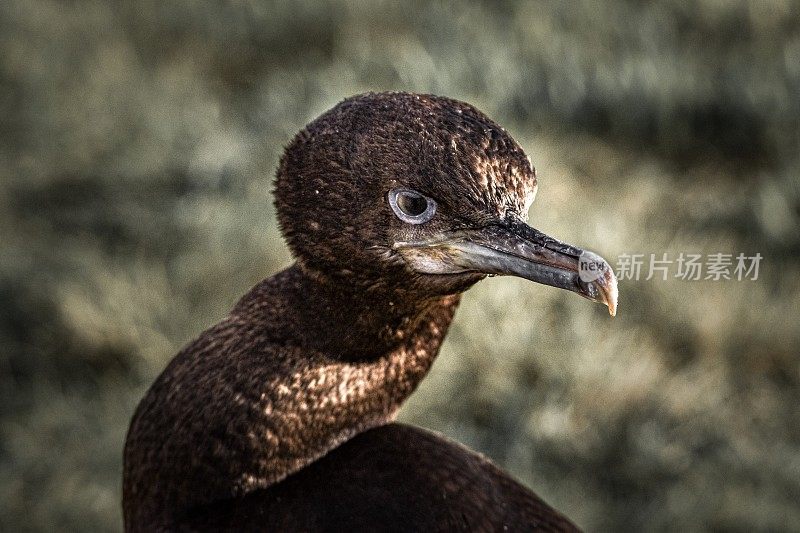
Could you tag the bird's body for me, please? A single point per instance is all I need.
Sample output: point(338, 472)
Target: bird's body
point(394, 478)
point(279, 418)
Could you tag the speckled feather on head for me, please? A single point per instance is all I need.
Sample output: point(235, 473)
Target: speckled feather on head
point(339, 168)
point(320, 353)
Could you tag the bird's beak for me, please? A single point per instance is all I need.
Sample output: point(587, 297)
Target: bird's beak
point(513, 248)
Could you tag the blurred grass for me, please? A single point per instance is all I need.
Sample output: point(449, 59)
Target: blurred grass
point(138, 142)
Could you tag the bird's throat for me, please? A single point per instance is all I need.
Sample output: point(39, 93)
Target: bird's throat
point(348, 320)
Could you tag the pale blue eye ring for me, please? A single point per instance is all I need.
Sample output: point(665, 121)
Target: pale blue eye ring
point(411, 206)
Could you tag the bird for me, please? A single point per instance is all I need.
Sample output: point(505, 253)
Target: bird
point(281, 417)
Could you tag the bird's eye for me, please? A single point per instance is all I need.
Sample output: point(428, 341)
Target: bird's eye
point(411, 206)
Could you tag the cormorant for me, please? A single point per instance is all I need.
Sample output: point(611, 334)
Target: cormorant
point(280, 417)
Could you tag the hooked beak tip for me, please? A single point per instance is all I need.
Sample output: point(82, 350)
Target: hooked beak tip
point(610, 295)
point(597, 280)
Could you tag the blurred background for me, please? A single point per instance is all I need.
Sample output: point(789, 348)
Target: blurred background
point(138, 141)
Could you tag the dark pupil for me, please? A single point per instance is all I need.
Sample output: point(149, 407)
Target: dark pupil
point(412, 204)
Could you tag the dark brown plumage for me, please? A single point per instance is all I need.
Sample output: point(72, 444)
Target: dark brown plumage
point(392, 478)
point(279, 417)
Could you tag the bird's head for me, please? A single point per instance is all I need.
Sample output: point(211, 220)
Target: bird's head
point(422, 193)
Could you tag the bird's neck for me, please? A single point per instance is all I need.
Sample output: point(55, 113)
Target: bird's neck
point(297, 368)
point(356, 356)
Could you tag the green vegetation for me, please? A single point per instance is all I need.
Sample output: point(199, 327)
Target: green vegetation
point(137, 146)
